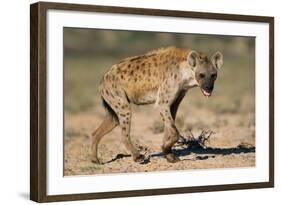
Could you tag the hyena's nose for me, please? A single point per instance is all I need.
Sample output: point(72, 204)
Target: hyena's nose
point(209, 87)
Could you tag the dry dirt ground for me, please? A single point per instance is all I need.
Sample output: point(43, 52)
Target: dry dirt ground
point(231, 145)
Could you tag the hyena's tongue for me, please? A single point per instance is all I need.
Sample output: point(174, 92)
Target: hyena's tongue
point(206, 93)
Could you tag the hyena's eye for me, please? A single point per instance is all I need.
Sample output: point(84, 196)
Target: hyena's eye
point(201, 75)
point(214, 75)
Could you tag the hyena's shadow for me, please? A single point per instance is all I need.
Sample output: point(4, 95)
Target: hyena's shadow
point(207, 151)
point(202, 153)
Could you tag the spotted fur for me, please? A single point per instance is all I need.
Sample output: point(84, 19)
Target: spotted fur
point(162, 77)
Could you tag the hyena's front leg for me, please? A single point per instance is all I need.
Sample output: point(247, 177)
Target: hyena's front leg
point(168, 104)
point(175, 105)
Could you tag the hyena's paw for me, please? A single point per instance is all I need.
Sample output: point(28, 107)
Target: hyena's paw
point(172, 158)
point(139, 157)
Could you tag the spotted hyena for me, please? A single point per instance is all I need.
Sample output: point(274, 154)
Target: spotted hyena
point(163, 77)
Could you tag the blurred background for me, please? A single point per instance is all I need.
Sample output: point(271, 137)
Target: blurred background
point(88, 53)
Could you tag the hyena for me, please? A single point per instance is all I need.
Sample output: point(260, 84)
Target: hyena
point(163, 77)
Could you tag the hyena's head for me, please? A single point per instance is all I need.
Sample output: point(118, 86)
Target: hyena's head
point(205, 70)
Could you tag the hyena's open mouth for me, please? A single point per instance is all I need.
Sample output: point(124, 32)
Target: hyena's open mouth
point(206, 93)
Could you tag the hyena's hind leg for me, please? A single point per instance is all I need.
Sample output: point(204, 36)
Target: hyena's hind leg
point(124, 116)
point(118, 101)
point(108, 124)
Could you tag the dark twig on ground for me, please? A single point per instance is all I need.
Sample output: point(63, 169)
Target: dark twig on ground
point(195, 142)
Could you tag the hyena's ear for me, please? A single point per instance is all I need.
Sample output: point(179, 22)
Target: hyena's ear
point(192, 58)
point(217, 59)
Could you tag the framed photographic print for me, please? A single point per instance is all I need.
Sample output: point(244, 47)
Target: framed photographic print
point(134, 102)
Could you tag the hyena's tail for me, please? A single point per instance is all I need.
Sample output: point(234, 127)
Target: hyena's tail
point(105, 104)
point(109, 109)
